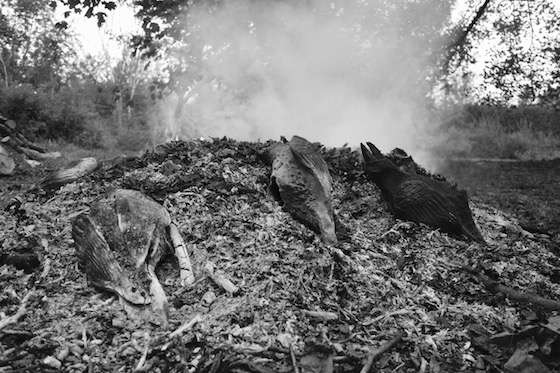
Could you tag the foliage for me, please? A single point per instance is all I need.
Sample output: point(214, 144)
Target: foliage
point(89, 7)
point(511, 57)
point(32, 49)
point(480, 131)
point(520, 67)
point(41, 115)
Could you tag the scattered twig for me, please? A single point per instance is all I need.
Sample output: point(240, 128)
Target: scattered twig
point(324, 315)
point(186, 326)
point(293, 357)
point(140, 366)
point(381, 350)
point(219, 279)
point(20, 312)
point(46, 269)
point(423, 365)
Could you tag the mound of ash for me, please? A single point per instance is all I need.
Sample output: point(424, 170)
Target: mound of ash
point(271, 295)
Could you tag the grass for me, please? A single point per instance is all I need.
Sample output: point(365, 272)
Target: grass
point(504, 133)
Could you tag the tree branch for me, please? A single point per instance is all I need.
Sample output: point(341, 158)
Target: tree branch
point(462, 37)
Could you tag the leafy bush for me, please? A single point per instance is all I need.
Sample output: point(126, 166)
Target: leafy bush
point(46, 115)
point(83, 114)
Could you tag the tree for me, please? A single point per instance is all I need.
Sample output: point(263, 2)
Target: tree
point(32, 49)
point(510, 55)
point(524, 34)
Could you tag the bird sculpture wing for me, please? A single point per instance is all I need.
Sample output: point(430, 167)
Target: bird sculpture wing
point(100, 264)
point(421, 202)
point(436, 204)
point(308, 155)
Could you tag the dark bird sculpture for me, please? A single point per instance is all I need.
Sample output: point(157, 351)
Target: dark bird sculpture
point(419, 198)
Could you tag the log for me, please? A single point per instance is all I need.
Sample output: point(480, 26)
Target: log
point(11, 124)
point(29, 144)
point(8, 128)
point(40, 156)
point(11, 143)
point(7, 164)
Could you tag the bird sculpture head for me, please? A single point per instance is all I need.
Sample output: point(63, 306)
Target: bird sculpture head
point(375, 162)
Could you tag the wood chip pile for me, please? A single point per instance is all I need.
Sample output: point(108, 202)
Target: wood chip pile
point(390, 296)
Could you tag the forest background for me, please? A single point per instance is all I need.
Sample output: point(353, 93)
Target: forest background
point(462, 78)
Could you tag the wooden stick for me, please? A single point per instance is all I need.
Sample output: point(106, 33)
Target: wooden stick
point(381, 350)
point(20, 312)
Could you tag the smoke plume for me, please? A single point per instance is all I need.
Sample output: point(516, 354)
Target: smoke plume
point(335, 72)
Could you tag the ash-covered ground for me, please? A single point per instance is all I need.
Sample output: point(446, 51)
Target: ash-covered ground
point(301, 304)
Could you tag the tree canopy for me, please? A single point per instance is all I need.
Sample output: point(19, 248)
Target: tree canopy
point(520, 66)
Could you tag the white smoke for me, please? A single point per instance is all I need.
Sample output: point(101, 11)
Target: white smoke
point(333, 72)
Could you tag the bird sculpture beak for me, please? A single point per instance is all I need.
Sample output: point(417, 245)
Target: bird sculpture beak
point(376, 153)
point(366, 153)
point(371, 154)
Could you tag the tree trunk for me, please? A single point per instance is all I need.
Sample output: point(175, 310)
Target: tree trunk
point(459, 41)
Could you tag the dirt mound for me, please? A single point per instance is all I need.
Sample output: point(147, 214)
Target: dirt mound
point(299, 301)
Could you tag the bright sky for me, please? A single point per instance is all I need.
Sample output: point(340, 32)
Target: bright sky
point(94, 40)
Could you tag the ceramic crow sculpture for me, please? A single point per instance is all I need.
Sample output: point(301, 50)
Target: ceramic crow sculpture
point(301, 181)
point(69, 173)
point(120, 243)
point(419, 198)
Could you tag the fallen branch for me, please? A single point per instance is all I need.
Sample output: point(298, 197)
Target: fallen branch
point(381, 350)
point(518, 296)
point(514, 295)
point(20, 312)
